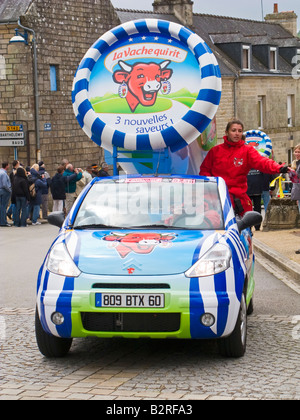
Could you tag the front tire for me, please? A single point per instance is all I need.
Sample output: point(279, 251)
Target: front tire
point(235, 344)
point(49, 345)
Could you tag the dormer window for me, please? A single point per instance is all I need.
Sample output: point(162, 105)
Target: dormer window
point(246, 58)
point(273, 59)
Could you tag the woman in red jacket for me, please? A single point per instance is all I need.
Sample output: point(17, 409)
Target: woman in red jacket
point(233, 160)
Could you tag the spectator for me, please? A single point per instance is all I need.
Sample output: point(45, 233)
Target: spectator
point(255, 188)
point(5, 193)
point(35, 203)
point(45, 191)
point(295, 195)
point(12, 208)
point(86, 178)
point(94, 170)
point(104, 170)
point(58, 188)
point(21, 189)
point(266, 193)
point(71, 185)
point(64, 163)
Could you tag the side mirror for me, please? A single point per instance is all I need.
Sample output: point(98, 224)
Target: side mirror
point(251, 218)
point(56, 218)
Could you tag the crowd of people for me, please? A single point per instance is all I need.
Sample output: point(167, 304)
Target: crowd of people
point(25, 191)
point(247, 175)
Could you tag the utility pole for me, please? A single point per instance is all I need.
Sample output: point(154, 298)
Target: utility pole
point(262, 10)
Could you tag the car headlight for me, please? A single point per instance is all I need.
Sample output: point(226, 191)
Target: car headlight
point(60, 262)
point(216, 260)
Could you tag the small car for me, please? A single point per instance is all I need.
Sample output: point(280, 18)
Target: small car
point(148, 256)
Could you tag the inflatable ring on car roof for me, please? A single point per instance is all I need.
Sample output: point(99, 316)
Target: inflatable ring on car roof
point(260, 141)
point(100, 87)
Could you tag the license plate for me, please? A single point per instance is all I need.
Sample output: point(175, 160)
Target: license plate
point(129, 300)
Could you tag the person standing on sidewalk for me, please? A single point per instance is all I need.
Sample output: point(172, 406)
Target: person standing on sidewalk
point(295, 195)
point(5, 193)
point(12, 208)
point(255, 188)
point(35, 203)
point(21, 188)
point(45, 191)
point(71, 185)
point(58, 188)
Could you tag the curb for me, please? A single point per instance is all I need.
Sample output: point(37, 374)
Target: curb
point(287, 265)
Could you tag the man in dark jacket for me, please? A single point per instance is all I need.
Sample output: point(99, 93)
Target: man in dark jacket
point(58, 188)
point(45, 192)
point(35, 203)
point(21, 189)
point(255, 181)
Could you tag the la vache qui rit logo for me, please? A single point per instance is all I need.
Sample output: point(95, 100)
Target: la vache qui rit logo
point(140, 82)
point(138, 73)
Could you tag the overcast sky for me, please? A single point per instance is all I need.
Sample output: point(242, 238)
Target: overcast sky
point(236, 8)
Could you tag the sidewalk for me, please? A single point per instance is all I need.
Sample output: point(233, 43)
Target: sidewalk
point(279, 247)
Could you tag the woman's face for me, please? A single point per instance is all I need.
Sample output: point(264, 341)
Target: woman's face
point(297, 153)
point(235, 133)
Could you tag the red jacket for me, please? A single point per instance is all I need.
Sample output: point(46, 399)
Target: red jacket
point(233, 161)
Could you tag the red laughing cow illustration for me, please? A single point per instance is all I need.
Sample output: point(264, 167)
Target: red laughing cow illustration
point(141, 82)
point(140, 243)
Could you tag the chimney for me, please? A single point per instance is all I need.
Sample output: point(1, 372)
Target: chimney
point(181, 9)
point(286, 19)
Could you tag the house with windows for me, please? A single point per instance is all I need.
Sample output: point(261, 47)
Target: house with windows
point(258, 62)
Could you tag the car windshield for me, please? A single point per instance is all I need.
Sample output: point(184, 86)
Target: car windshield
point(182, 203)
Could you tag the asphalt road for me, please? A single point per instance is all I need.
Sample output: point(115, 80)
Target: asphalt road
point(118, 369)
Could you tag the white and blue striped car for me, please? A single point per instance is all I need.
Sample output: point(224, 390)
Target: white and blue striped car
point(156, 256)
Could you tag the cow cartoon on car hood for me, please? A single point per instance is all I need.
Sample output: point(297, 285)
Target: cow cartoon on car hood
point(139, 243)
point(142, 81)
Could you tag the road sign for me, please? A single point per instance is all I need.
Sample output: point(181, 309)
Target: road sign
point(12, 138)
point(12, 143)
point(14, 127)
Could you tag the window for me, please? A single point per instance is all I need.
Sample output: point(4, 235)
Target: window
point(54, 85)
point(246, 57)
point(273, 59)
point(290, 110)
point(290, 156)
point(2, 68)
point(261, 111)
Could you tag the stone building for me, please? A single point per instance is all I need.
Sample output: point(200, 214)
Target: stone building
point(63, 31)
point(258, 62)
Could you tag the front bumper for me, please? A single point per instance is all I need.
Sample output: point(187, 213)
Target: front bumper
point(186, 300)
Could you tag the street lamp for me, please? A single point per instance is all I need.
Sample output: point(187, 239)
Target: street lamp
point(19, 37)
point(23, 37)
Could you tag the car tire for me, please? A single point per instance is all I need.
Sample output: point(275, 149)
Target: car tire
point(250, 307)
point(49, 345)
point(235, 344)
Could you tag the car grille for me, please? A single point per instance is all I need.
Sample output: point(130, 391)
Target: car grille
point(131, 322)
point(131, 286)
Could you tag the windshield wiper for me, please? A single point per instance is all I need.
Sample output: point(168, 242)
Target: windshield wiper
point(96, 226)
point(155, 226)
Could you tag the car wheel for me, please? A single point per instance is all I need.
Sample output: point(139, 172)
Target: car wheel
point(49, 345)
point(235, 344)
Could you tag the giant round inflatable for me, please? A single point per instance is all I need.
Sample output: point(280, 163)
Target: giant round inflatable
point(147, 85)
